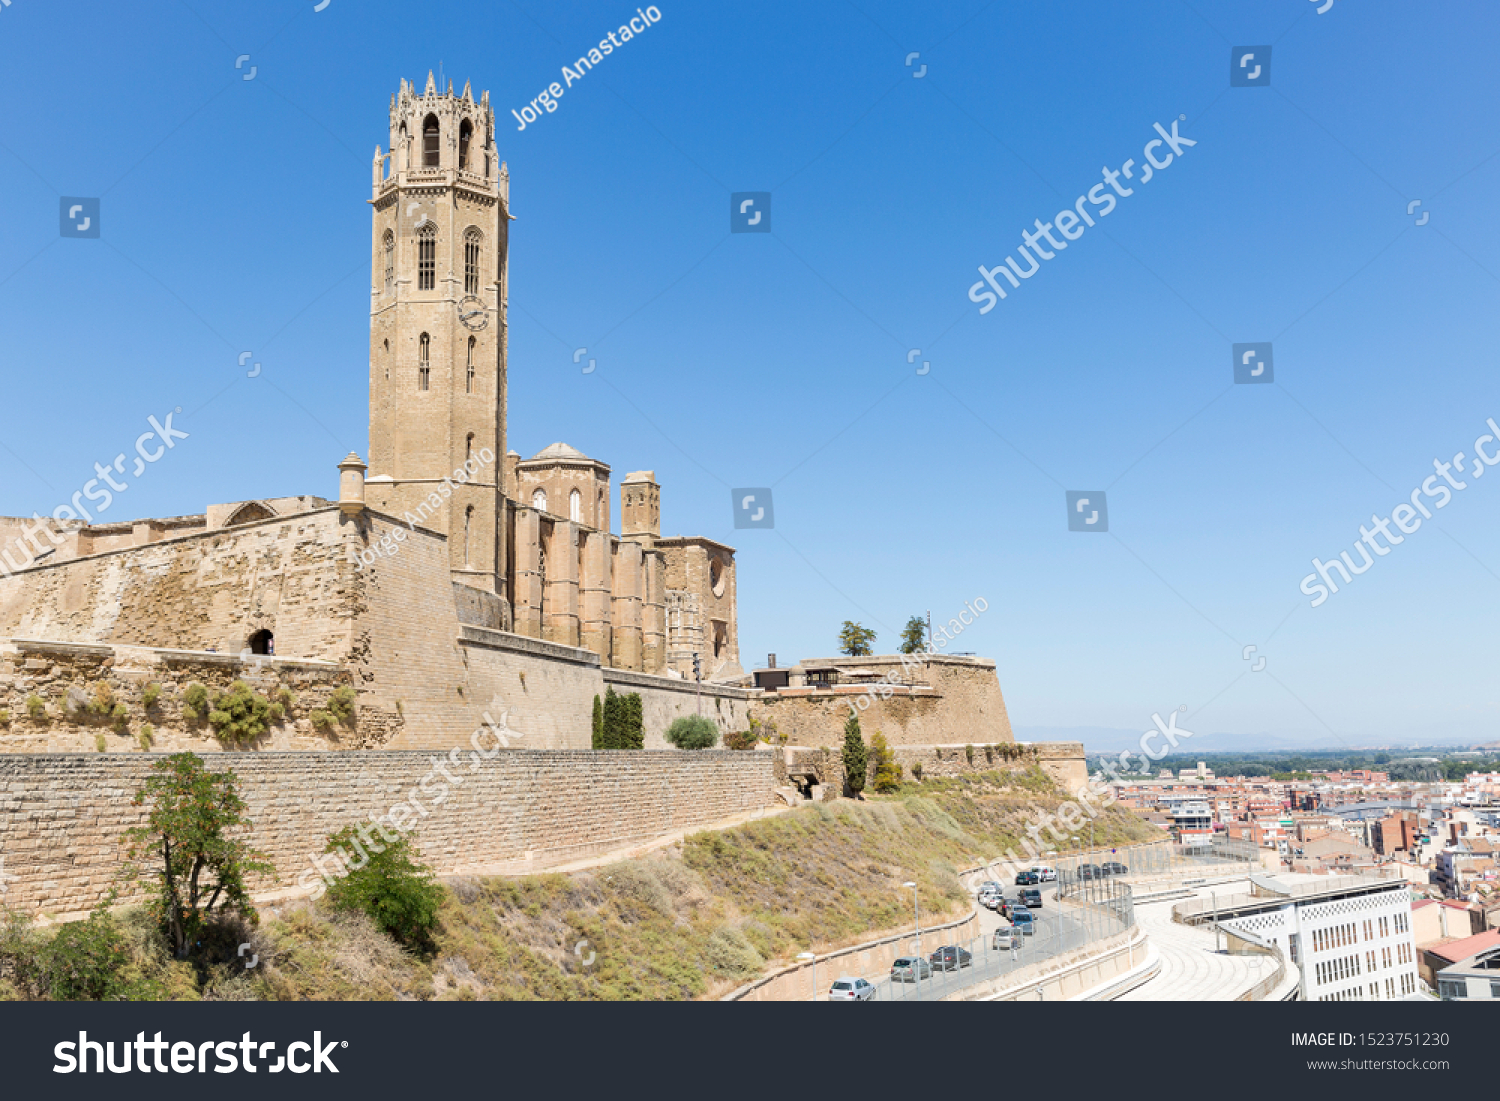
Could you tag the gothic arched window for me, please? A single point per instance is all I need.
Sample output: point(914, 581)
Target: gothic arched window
point(539, 500)
point(468, 448)
point(575, 507)
point(468, 521)
point(426, 257)
point(472, 240)
point(424, 362)
point(465, 132)
point(389, 244)
point(430, 142)
point(469, 376)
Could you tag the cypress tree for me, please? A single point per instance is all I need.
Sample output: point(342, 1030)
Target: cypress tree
point(598, 723)
point(634, 722)
point(613, 727)
point(855, 757)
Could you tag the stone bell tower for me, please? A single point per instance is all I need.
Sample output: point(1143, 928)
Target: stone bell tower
point(438, 279)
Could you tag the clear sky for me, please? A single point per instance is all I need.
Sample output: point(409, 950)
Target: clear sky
point(233, 218)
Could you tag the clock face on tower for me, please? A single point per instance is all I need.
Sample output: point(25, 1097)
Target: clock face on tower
point(472, 312)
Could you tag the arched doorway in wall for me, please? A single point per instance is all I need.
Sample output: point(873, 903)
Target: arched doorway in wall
point(263, 642)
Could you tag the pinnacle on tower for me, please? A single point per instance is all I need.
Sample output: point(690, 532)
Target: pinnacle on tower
point(468, 93)
point(431, 85)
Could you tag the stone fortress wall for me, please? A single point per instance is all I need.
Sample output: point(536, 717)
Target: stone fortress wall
point(62, 815)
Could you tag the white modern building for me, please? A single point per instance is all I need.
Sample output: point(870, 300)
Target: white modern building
point(1349, 936)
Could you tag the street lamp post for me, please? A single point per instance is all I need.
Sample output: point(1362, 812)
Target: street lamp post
point(917, 904)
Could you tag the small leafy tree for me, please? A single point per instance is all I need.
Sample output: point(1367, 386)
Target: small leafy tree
point(887, 771)
point(914, 636)
point(196, 860)
point(692, 732)
point(855, 640)
point(598, 723)
point(392, 887)
point(856, 757)
point(740, 739)
point(240, 716)
point(151, 694)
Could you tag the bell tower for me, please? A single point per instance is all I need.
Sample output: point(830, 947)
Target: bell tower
point(438, 276)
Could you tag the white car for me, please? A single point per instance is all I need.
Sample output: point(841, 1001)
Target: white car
point(850, 989)
point(1045, 873)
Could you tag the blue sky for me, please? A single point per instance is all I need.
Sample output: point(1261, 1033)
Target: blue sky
point(234, 219)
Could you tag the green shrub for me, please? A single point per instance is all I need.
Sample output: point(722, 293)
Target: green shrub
point(195, 703)
point(887, 771)
point(766, 731)
point(146, 737)
point(23, 954)
point(741, 739)
point(99, 743)
point(240, 716)
point(286, 697)
point(321, 719)
point(398, 893)
point(692, 732)
point(36, 708)
point(103, 702)
point(119, 717)
point(916, 770)
point(856, 759)
point(341, 703)
point(86, 959)
point(969, 753)
point(276, 713)
point(4, 717)
point(151, 694)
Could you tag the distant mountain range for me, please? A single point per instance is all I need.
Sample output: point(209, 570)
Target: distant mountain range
point(1105, 739)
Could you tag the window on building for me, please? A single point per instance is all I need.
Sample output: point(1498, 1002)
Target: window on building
point(424, 362)
point(468, 522)
point(465, 134)
point(469, 370)
point(430, 142)
point(539, 500)
point(468, 448)
point(389, 246)
point(471, 261)
point(427, 257)
point(385, 347)
point(575, 507)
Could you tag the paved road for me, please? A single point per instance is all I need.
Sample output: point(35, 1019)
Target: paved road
point(1057, 930)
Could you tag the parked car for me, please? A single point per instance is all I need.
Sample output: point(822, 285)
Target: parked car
point(1006, 904)
point(1032, 898)
point(950, 958)
point(1024, 922)
point(1007, 937)
point(1045, 873)
point(910, 969)
point(850, 989)
point(991, 885)
point(992, 901)
point(1026, 879)
point(1114, 867)
point(1090, 871)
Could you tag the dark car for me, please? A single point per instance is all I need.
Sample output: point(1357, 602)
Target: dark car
point(1005, 907)
point(950, 958)
point(1032, 898)
point(1024, 922)
point(1116, 868)
point(1090, 871)
point(1026, 879)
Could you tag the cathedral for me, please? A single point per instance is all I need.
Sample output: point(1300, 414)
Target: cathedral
point(448, 568)
point(532, 536)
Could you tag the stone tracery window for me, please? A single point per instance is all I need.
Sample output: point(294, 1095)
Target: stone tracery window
point(426, 257)
point(539, 500)
point(575, 506)
point(424, 365)
point(389, 244)
point(430, 142)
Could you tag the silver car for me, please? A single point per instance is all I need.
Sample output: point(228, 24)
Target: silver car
point(911, 969)
point(850, 989)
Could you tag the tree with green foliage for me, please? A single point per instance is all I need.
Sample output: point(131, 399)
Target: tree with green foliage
point(854, 640)
point(632, 722)
point(914, 636)
point(193, 842)
point(86, 959)
point(693, 732)
point(391, 886)
point(856, 757)
point(613, 720)
point(887, 771)
point(598, 723)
